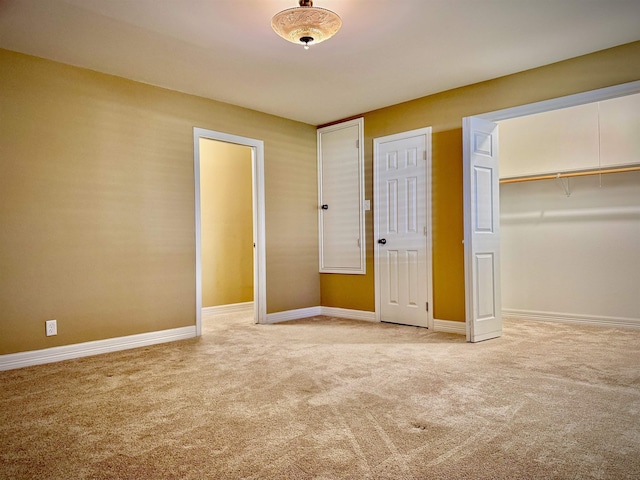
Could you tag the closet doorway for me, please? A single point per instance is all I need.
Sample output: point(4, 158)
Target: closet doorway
point(481, 204)
point(229, 200)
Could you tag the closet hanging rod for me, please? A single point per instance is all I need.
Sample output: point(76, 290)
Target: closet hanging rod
point(570, 174)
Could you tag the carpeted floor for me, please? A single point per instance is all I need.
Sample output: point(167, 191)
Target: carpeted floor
point(327, 399)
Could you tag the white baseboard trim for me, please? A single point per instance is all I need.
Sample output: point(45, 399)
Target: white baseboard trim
point(292, 315)
point(317, 311)
point(349, 314)
point(78, 350)
point(446, 326)
point(245, 307)
point(596, 320)
point(449, 326)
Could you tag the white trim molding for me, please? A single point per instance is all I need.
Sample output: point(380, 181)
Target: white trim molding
point(554, 317)
point(67, 352)
point(446, 326)
point(349, 314)
point(293, 314)
point(574, 100)
point(317, 311)
point(246, 307)
point(449, 326)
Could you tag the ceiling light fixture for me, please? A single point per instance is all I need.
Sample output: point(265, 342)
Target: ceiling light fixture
point(306, 24)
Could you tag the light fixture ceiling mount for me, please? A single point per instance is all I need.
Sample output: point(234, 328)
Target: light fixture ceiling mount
point(306, 24)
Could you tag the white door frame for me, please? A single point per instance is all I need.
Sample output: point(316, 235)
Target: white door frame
point(376, 249)
point(520, 111)
point(259, 264)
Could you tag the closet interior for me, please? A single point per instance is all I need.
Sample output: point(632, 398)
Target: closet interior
point(570, 213)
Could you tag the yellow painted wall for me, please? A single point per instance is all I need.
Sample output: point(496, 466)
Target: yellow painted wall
point(444, 112)
point(226, 211)
point(97, 195)
point(97, 204)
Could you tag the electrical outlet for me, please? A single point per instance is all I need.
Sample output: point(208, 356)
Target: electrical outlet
point(52, 327)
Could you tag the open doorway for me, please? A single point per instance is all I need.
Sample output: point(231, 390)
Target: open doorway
point(481, 206)
point(226, 220)
point(230, 259)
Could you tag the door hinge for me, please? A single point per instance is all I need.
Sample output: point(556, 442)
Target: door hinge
point(424, 155)
point(358, 143)
point(427, 306)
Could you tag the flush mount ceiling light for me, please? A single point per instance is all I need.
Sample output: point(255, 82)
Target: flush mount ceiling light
point(306, 24)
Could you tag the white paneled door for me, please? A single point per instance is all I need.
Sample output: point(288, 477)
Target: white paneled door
point(341, 197)
point(482, 229)
point(403, 228)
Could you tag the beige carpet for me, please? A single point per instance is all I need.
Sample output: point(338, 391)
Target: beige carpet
point(326, 399)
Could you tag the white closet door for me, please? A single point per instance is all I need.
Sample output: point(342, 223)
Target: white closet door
point(482, 229)
point(341, 198)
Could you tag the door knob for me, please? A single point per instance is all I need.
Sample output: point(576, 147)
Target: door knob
point(382, 241)
point(325, 207)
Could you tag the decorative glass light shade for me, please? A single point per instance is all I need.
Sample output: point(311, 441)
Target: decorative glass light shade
point(306, 24)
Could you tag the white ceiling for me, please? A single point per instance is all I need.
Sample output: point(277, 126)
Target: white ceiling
point(387, 51)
